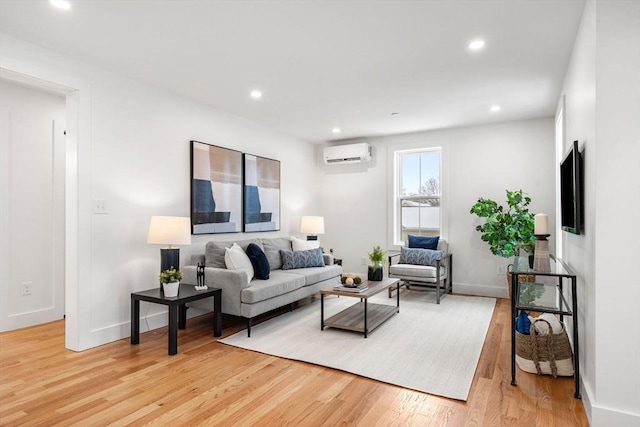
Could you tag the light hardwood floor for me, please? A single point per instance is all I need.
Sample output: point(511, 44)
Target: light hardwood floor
point(208, 383)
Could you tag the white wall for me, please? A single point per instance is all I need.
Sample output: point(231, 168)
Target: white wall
point(479, 161)
point(130, 147)
point(32, 198)
point(602, 90)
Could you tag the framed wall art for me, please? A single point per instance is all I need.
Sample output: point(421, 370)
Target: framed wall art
point(216, 189)
point(261, 194)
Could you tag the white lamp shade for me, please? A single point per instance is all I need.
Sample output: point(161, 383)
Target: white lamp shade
point(313, 225)
point(169, 230)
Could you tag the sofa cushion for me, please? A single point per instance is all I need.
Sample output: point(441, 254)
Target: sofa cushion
point(419, 272)
point(314, 275)
point(272, 248)
point(258, 261)
point(419, 256)
point(236, 259)
point(424, 242)
point(214, 251)
point(279, 283)
point(304, 245)
point(302, 259)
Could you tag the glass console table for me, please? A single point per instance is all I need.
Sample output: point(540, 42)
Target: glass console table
point(545, 295)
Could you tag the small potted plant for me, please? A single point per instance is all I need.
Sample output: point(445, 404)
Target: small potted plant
point(170, 279)
point(375, 270)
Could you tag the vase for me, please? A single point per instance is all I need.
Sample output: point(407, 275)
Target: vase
point(171, 289)
point(375, 272)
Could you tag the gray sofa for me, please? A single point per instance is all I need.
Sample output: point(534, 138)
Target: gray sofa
point(250, 299)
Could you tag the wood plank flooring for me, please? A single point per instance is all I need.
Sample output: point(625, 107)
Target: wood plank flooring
point(208, 383)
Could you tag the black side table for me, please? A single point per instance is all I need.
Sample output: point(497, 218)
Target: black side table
point(177, 310)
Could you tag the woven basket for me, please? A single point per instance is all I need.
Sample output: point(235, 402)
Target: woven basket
point(548, 354)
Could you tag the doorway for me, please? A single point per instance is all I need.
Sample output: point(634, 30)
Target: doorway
point(32, 195)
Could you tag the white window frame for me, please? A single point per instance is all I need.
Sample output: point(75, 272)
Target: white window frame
point(396, 198)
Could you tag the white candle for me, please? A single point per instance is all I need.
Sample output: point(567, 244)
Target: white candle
point(541, 224)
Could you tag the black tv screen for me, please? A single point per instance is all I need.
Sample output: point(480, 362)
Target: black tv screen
point(571, 191)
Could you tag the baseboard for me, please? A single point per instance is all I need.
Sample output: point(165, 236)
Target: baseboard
point(604, 417)
point(480, 290)
point(148, 322)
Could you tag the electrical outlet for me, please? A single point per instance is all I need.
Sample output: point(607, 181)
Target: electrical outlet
point(363, 261)
point(25, 289)
point(501, 270)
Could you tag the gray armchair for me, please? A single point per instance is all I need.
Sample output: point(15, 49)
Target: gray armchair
point(436, 277)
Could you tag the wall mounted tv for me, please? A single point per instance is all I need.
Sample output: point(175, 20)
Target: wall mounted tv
point(572, 190)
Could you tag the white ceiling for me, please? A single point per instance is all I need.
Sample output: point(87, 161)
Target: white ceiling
point(325, 64)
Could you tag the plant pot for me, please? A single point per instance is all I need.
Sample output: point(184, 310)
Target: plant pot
point(375, 273)
point(171, 289)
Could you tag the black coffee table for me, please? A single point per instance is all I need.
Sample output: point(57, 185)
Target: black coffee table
point(177, 310)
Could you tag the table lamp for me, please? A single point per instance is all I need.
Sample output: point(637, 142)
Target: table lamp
point(312, 226)
point(169, 230)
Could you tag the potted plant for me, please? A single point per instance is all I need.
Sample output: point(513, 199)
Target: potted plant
point(375, 270)
point(170, 279)
point(507, 230)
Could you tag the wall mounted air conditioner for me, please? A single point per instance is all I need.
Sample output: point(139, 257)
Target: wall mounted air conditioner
point(345, 154)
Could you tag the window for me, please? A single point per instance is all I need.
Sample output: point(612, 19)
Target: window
point(417, 193)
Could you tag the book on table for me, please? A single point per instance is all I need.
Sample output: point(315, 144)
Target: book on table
point(361, 288)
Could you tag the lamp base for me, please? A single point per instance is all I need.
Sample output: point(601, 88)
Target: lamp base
point(169, 257)
point(311, 237)
point(541, 261)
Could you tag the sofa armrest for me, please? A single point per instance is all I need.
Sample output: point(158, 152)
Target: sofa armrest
point(196, 259)
point(232, 282)
point(328, 259)
point(216, 277)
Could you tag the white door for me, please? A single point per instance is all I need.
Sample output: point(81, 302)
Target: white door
point(32, 166)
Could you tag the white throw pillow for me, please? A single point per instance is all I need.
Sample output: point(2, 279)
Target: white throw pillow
point(304, 245)
point(236, 259)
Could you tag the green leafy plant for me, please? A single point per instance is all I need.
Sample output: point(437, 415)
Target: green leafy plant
point(170, 275)
point(508, 229)
point(377, 256)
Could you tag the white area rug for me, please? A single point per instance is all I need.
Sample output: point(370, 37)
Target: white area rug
point(426, 347)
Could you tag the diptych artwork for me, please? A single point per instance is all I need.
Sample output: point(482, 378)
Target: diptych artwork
point(261, 194)
point(233, 192)
point(216, 189)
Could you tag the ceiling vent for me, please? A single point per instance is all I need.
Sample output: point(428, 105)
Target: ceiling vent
point(346, 154)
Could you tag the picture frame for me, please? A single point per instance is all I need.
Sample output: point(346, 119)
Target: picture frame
point(216, 189)
point(261, 194)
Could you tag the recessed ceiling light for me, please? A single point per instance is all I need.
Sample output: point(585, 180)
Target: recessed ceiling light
point(256, 94)
point(476, 45)
point(336, 130)
point(61, 4)
point(495, 108)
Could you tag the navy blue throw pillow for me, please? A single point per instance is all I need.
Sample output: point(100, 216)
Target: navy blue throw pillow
point(258, 261)
point(424, 242)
